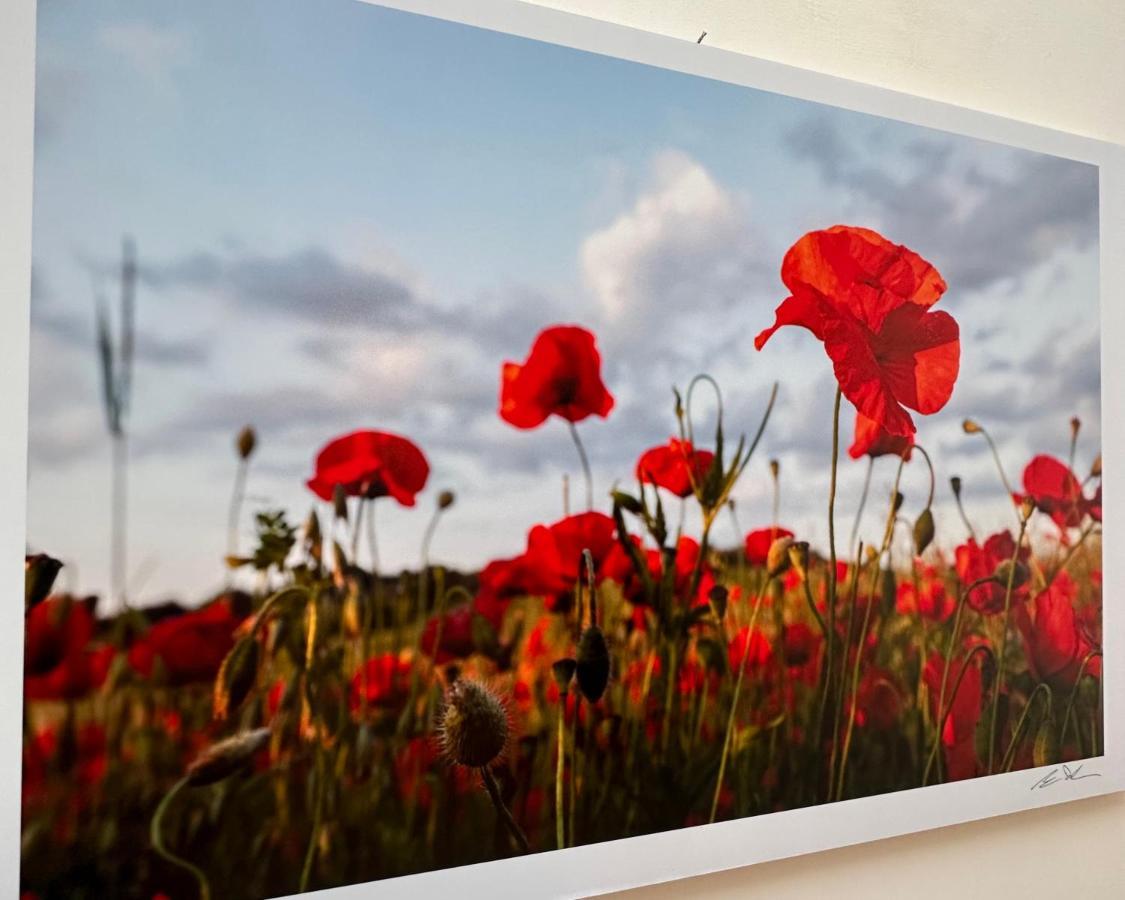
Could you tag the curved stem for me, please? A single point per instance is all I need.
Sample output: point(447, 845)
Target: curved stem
point(585, 465)
point(729, 735)
point(157, 838)
point(1010, 754)
point(318, 812)
point(1004, 644)
point(933, 477)
point(832, 503)
point(236, 496)
point(505, 814)
point(999, 464)
point(862, 505)
point(1074, 693)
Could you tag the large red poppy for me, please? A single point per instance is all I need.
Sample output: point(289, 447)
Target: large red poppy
point(974, 561)
point(871, 439)
point(1057, 492)
point(386, 677)
point(190, 647)
point(868, 301)
point(554, 554)
point(370, 464)
point(674, 466)
point(963, 711)
point(1056, 645)
point(561, 377)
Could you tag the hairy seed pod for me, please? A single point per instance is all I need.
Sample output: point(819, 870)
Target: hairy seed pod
point(593, 664)
point(246, 442)
point(227, 757)
point(923, 531)
point(474, 725)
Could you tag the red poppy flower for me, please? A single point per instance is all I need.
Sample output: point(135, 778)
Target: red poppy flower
point(388, 683)
point(456, 634)
point(963, 708)
point(758, 543)
point(190, 647)
point(674, 466)
point(930, 601)
point(867, 300)
point(59, 661)
point(755, 657)
point(799, 644)
point(618, 567)
point(87, 760)
point(873, 440)
point(1057, 492)
point(878, 701)
point(1056, 645)
point(974, 562)
point(561, 377)
point(554, 554)
point(370, 464)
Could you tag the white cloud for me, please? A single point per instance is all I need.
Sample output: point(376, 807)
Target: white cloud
point(154, 51)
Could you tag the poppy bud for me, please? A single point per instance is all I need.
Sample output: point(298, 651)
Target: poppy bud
point(246, 442)
point(627, 502)
point(1016, 571)
point(592, 664)
point(236, 677)
point(340, 503)
point(775, 469)
point(563, 670)
point(777, 560)
point(898, 501)
point(717, 597)
point(474, 725)
point(923, 531)
point(39, 574)
point(313, 536)
point(445, 499)
point(227, 757)
point(955, 484)
point(970, 427)
point(1027, 507)
point(1096, 468)
point(1075, 427)
point(799, 557)
point(339, 566)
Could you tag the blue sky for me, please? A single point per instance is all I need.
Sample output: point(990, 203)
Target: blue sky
point(349, 217)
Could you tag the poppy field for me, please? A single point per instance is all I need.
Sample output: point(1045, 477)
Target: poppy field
point(325, 721)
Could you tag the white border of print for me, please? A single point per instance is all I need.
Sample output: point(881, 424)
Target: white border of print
point(614, 865)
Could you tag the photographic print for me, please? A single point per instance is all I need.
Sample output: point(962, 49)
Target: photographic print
point(446, 447)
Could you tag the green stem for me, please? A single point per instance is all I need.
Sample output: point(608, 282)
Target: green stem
point(585, 465)
point(505, 813)
point(560, 810)
point(1003, 644)
point(318, 812)
point(1074, 694)
point(1010, 755)
point(157, 838)
point(237, 493)
point(862, 505)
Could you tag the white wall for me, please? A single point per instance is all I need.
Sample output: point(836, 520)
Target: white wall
point(1059, 63)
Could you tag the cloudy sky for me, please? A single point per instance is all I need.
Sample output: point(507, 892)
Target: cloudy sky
point(349, 217)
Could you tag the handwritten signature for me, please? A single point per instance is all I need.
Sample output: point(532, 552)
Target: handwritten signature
point(1064, 773)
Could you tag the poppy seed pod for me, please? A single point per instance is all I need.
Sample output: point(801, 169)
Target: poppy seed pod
point(592, 664)
point(923, 531)
point(474, 725)
point(1075, 427)
point(1096, 467)
point(970, 427)
point(1016, 571)
point(246, 442)
point(777, 560)
point(955, 485)
point(775, 469)
point(445, 499)
point(899, 499)
point(563, 670)
point(799, 557)
point(227, 757)
point(1027, 507)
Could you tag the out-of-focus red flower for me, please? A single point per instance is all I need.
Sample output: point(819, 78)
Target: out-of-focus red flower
point(878, 701)
point(1057, 492)
point(388, 683)
point(190, 647)
point(974, 562)
point(554, 555)
point(370, 464)
point(80, 753)
point(456, 634)
point(674, 466)
point(59, 661)
point(561, 377)
point(867, 300)
point(759, 541)
point(754, 651)
point(1056, 645)
point(873, 440)
point(799, 644)
point(931, 600)
point(964, 711)
point(618, 567)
